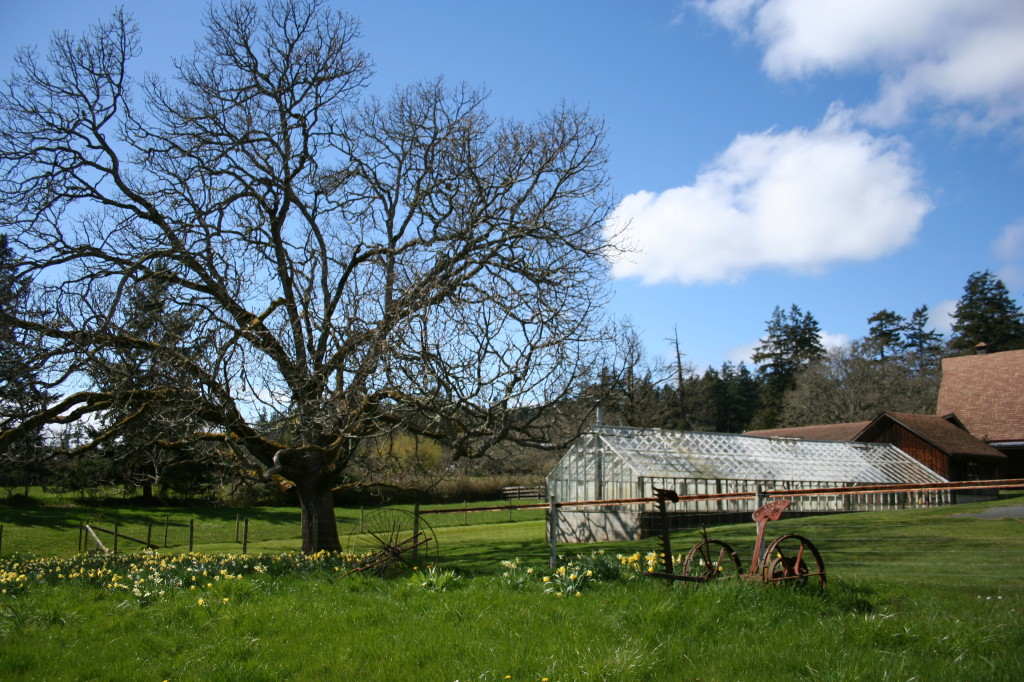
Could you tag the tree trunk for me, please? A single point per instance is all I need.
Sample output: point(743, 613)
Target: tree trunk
point(319, 528)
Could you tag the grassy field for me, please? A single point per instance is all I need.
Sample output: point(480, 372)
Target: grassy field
point(933, 594)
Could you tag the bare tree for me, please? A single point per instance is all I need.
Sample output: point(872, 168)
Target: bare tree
point(353, 265)
point(849, 384)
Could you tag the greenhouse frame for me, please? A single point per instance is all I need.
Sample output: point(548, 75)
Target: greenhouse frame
point(623, 463)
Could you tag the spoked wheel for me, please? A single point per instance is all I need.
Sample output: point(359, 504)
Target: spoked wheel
point(392, 541)
point(793, 559)
point(711, 559)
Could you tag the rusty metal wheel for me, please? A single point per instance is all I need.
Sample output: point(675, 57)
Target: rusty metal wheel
point(390, 542)
point(711, 559)
point(793, 559)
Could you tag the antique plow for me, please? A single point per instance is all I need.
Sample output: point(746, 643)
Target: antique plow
point(787, 559)
point(391, 542)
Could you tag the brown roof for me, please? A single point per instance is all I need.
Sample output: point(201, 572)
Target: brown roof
point(945, 433)
point(844, 432)
point(987, 393)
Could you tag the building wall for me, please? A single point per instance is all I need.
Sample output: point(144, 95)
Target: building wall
point(637, 521)
point(915, 446)
point(600, 524)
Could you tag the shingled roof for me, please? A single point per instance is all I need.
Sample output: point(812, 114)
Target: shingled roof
point(946, 433)
point(987, 393)
point(841, 432)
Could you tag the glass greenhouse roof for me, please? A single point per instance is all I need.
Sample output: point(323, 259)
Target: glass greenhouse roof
point(658, 453)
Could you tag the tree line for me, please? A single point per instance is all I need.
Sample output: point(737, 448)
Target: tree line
point(795, 381)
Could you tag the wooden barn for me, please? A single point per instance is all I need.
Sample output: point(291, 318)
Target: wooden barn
point(986, 392)
point(940, 443)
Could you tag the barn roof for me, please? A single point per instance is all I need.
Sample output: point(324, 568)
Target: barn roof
point(845, 431)
point(659, 453)
point(985, 393)
point(946, 433)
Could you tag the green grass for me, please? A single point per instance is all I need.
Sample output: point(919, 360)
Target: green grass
point(363, 628)
point(48, 524)
point(923, 594)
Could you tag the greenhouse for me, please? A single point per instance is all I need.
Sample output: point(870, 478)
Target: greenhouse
point(621, 463)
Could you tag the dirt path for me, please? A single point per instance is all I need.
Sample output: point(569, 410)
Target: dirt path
point(1013, 511)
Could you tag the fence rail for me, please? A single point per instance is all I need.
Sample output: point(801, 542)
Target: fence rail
point(278, 530)
point(523, 492)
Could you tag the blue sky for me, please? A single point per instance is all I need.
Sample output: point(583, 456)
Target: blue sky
point(845, 157)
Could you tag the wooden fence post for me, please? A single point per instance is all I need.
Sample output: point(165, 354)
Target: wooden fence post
point(99, 544)
point(245, 537)
point(167, 522)
point(510, 510)
point(149, 533)
point(117, 525)
point(1, 538)
point(81, 534)
point(191, 533)
point(553, 533)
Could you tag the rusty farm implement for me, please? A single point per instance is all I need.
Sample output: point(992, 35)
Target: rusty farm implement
point(789, 558)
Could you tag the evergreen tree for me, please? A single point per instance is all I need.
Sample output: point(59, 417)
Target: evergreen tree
point(21, 393)
point(792, 340)
point(885, 337)
point(986, 314)
point(152, 386)
point(705, 396)
point(922, 347)
point(739, 398)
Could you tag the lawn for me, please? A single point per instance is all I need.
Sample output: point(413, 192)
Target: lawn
point(926, 594)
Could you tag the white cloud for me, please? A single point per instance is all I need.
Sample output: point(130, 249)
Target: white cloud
point(1009, 250)
point(941, 316)
point(744, 354)
point(795, 200)
point(830, 340)
point(965, 56)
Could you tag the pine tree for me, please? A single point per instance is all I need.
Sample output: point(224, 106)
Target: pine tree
point(739, 398)
point(21, 393)
point(986, 314)
point(792, 340)
point(153, 408)
point(922, 347)
point(885, 336)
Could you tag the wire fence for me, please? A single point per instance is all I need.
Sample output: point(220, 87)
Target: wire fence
point(46, 531)
point(954, 552)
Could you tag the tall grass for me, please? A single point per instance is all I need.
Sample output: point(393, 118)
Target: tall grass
point(365, 629)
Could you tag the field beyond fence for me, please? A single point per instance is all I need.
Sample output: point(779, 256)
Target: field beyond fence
point(471, 537)
point(934, 594)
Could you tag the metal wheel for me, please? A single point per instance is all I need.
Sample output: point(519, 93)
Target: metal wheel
point(392, 541)
point(793, 559)
point(711, 559)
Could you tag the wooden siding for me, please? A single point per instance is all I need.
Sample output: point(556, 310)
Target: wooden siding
point(915, 446)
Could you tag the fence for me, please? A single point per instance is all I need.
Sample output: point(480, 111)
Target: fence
point(523, 492)
point(43, 531)
point(56, 532)
point(51, 531)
